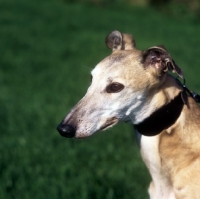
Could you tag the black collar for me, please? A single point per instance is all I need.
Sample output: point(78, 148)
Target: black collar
point(163, 118)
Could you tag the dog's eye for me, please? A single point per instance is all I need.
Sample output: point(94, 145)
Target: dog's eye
point(114, 87)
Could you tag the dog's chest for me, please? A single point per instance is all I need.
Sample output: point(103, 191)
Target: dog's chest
point(149, 147)
point(150, 153)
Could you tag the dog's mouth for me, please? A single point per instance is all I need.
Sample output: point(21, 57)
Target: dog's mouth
point(109, 123)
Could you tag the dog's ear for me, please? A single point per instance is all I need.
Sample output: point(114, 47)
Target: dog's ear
point(175, 68)
point(114, 40)
point(159, 58)
point(120, 41)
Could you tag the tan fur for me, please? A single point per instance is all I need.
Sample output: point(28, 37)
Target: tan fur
point(180, 152)
point(172, 156)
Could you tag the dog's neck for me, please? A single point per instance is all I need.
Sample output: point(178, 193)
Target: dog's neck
point(162, 118)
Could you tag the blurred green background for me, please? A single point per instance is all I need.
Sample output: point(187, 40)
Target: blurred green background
point(47, 50)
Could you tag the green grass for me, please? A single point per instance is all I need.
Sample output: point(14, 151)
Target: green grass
point(47, 50)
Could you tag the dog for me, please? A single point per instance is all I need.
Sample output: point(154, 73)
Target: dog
point(139, 87)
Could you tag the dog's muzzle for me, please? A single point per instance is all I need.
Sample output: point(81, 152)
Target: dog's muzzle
point(66, 130)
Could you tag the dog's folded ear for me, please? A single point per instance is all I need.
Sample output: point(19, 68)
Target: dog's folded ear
point(120, 41)
point(159, 59)
point(175, 68)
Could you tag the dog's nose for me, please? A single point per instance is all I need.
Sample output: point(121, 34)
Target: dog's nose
point(66, 130)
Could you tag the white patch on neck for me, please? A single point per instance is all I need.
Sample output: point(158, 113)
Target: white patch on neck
point(141, 109)
point(137, 103)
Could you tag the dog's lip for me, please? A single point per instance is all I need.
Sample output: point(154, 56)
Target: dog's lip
point(105, 127)
point(109, 123)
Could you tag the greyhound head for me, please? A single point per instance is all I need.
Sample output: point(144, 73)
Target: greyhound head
point(124, 87)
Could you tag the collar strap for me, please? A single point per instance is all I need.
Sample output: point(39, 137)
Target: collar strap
point(163, 118)
point(194, 95)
